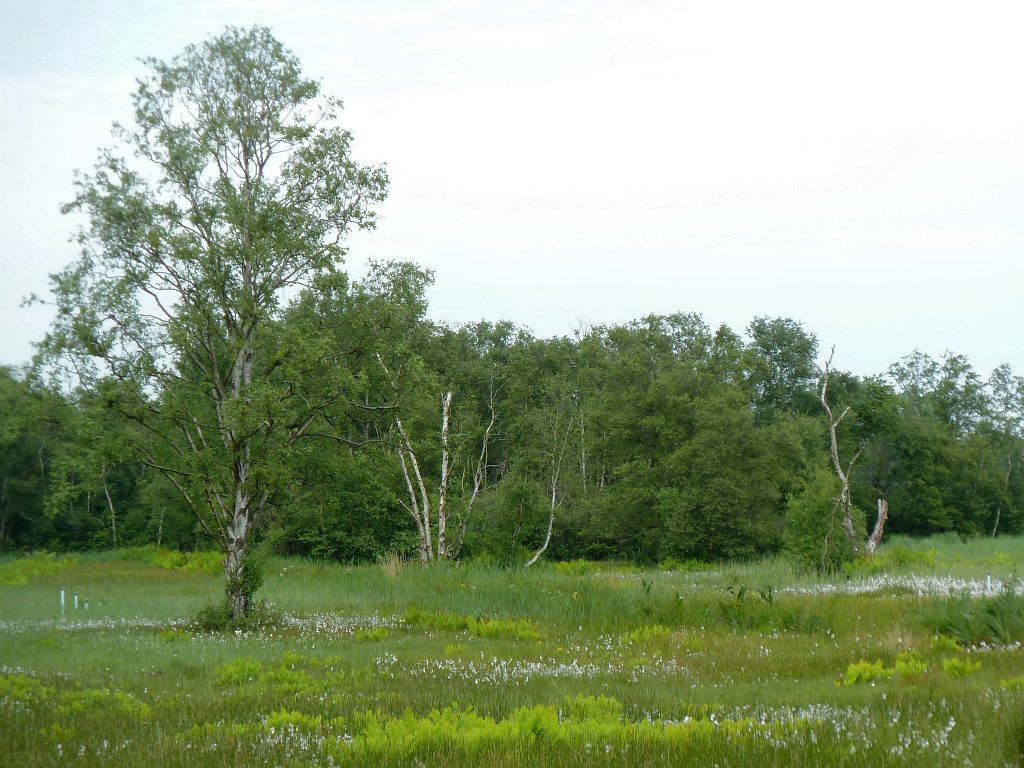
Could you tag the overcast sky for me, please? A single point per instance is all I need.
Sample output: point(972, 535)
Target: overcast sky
point(858, 167)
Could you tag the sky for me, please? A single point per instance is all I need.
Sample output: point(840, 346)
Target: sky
point(858, 167)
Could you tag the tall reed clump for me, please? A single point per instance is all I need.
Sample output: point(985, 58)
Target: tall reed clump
point(391, 564)
point(969, 621)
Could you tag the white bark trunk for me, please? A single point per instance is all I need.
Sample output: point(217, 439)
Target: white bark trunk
point(1006, 485)
point(556, 468)
point(426, 539)
point(876, 533)
point(242, 509)
point(414, 509)
point(110, 505)
point(551, 525)
point(442, 489)
point(479, 479)
point(583, 452)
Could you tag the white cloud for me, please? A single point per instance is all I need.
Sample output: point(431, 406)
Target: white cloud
point(855, 166)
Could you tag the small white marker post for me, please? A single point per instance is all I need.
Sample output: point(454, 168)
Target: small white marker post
point(87, 605)
point(76, 601)
point(62, 602)
point(988, 583)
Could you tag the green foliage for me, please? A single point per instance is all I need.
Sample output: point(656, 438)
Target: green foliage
point(968, 620)
point(782, 369)
point(98, 702)
point(285, 721)
point(1012, 684)
point(291, 674)
point(250, 581)
point(893, 558)
point(205, 561)
point(239, 672)
point(575, 567)
point(672, 564)
point(598, 708)
point(687, 445)
point(342, 507)
point(21, 687)
point(722, 490)
point(651, 633)
point(865, 672)
point(909, 664)
point(219, 617)
point(370, 635)
point(520, 629)
point(814, 537)
point(585, 720)
point(174, 635)
point(956, 666)
point(73, 702)
point(943, 643)
point(758, 609)
point(34, 566)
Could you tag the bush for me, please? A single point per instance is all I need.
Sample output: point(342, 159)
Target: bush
point(34, 566)
point(370, 635)
point(954, 666)
point(814, 537)
point(203, 561)
point(866, 672)
point(909, 665)
point(1012, 684)
point(218, 617)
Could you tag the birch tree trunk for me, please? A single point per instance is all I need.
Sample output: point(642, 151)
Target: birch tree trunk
point(556, 467)
point(110, 504)
point(876, 533)
point(551, 523)
point(479, 479)
point(243, 510)
point(1006, 486)
point(419, 506)
point(442, 488)
point(413, 508)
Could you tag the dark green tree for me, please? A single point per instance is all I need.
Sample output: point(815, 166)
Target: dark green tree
point(782, 367)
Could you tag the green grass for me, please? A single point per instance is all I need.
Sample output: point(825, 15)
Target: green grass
point(563, 665)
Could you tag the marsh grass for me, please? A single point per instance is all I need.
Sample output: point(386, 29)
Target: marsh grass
point(472, 664)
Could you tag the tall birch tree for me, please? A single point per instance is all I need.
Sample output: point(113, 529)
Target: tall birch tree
point(233, 190)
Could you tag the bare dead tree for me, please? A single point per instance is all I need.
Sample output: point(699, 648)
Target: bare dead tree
point(842, 502)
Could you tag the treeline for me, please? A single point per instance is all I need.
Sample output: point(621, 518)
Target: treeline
point(658, 439)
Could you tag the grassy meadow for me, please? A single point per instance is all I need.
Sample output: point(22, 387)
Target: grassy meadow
point(914, 659)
